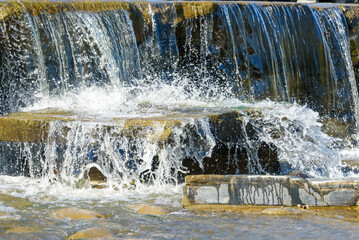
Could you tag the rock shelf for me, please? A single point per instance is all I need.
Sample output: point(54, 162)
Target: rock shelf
point(269, 190)
point(224, 127)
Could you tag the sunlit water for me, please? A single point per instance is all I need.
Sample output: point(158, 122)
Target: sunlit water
point(29, 202)
point(28, 206)
point(94, 67)
point(302, 143)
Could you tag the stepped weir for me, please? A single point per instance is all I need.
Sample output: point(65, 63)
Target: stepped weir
point(112, 112)
point(149, 92)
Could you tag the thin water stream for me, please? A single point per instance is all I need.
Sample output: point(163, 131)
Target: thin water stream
point(147, 91)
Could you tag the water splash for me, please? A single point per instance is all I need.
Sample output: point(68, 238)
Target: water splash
point(150, 61)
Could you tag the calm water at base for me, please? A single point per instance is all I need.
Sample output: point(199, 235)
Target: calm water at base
point(30, 203)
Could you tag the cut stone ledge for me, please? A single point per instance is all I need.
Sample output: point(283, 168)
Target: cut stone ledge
point(270, 190)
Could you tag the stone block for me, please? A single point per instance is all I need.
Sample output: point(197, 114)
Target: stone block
point(269, 190)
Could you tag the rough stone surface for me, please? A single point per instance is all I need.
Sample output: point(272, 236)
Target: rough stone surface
point(269, 190)
point(149, 209)
point(73, 213)
point(93, 233)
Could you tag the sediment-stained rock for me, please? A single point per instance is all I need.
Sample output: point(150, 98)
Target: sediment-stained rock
point(149, 209)
point(21, 230)
point(93, 233)
point(186, 10)
point(269, 190)
point(75, 214)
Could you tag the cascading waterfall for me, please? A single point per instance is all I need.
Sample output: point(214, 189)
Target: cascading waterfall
point(149, 61)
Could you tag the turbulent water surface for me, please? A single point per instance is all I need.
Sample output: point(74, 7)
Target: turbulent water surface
point(286, 70)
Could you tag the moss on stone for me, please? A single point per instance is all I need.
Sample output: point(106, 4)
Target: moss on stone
point(186, 9)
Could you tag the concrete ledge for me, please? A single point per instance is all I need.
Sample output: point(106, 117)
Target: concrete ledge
point(34, 126)
point(269, 190)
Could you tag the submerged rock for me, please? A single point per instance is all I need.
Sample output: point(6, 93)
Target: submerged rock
point(149, 209)
point(74, 213)
point(21, 230)
point(93, 233)
point(281, 211)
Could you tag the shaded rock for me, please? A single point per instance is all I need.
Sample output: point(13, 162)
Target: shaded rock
point(281, 211)
point(149, 209)
point(21, 230)
point(97, 177)
point(74, 213)
point(93, 176)
point(93, 233)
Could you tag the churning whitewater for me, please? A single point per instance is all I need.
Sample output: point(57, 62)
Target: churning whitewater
point(176, 72)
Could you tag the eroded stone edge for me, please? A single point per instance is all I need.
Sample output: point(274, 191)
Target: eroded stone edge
point(269, 191)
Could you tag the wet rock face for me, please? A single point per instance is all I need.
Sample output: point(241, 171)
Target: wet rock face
point(298, 173)
point(226, 39)
point(149, 209)
point(73, 213)
point(222, 141)
point(237, 150)
point(270, 190)
point(93, 233)
point(247, 51)
point(21, 230)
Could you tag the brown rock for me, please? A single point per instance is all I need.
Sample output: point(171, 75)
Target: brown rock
point(149, 209)
point(74, 213)
point(281, 211)
point(20, 230)
point(93, 233)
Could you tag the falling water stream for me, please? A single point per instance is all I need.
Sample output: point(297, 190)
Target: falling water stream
point(284, 70)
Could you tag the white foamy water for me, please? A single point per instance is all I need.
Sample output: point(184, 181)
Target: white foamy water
point(94, 67)
point(42, 190)
point(131, 101)
point(295, 131)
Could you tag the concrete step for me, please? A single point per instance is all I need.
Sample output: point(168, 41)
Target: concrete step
point(201, 190)
point(213, 133)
